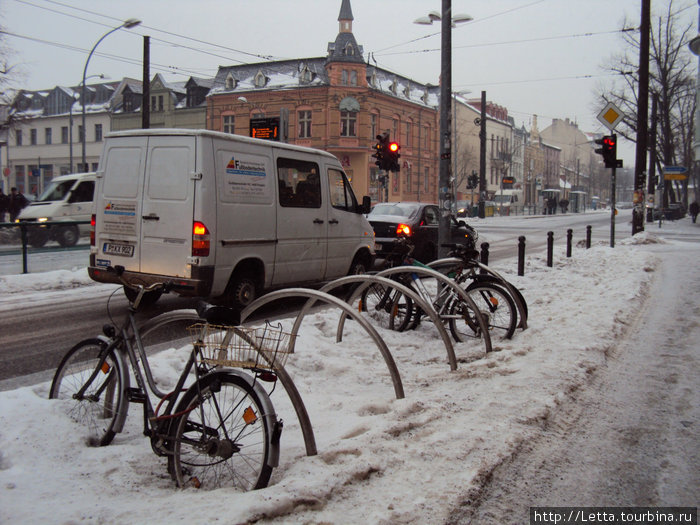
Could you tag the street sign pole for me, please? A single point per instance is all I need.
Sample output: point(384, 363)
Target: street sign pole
point(613, 183)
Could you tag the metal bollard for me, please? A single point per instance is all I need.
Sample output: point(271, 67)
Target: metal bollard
point(521, 255)
point(23, 235)
point(588, 236)
point(550, 248)
point(569, 238)
point(484, 255)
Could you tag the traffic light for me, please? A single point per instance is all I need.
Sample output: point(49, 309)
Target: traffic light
point(379, 149)
point(608, 150)
point(392, 157)
point(472, 181)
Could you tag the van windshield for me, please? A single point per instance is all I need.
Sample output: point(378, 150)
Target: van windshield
point(501, 199)
point(56, 191)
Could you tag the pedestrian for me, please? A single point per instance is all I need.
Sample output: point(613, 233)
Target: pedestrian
point(4, 202)
point(17, 203)
point(564, 204)
point(693, 209)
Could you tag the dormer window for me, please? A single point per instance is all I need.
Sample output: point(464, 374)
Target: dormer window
point(394, 86)
point(373, 79)
point(231, 82)
point(407, 91)
point(349, 50)
point(424, 98)
point(306, 75)
point(260, 79)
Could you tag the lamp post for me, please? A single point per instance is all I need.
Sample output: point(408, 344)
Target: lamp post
point(128, 24)
point(70, 120)
point(447, 23)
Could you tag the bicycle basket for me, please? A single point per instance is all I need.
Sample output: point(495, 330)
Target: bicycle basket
point(264, 347)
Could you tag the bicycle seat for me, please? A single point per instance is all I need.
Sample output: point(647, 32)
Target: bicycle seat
point(215, 314)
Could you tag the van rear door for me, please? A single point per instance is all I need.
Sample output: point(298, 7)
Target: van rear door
point(167, 210)
point(117, 230)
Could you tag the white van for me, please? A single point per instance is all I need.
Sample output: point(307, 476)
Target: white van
point(66, 198)
point(508, 202)
point(224, 216)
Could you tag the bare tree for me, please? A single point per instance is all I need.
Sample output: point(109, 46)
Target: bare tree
point(671, 80)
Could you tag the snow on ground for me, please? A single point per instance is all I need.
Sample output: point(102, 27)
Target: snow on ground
point(381, 460)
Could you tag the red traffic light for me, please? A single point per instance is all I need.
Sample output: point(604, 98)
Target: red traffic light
point(394, 147)
point(609, 141)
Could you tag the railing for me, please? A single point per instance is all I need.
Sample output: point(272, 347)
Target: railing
point(15, 239)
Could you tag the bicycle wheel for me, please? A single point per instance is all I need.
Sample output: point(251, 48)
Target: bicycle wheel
point(492, 279)
point(387, 306)
point(493, 303)
point(97, 411)
point(223, 436)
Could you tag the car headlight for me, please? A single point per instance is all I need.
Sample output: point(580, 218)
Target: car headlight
point(42, 219)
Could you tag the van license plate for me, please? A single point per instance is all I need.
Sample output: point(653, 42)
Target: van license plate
point(125, 250)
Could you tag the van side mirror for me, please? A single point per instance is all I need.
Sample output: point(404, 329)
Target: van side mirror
point(366, 205)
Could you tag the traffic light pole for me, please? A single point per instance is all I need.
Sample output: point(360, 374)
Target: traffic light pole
point(613, 184)
point(482, 158)
point(445, 126)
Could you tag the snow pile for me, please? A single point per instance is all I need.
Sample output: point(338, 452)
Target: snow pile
point(381, 459)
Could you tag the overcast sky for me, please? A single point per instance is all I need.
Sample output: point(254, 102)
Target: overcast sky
point(532, 56)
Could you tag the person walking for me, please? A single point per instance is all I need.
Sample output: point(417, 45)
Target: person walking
point(693, 209)
point(16, 204)
point(4, 202)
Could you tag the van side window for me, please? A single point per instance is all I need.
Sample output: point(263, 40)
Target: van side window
point(299, 183)
point(431, 217)
point(84, 191)
point(342, 196)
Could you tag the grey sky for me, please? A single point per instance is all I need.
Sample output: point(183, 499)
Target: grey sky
point(533, 56)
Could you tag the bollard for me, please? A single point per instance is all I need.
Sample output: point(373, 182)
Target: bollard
point(484, 255)
point(23, 234)
point(588, 235)
point(550, 248)
point(569, 237)
point(521, 255)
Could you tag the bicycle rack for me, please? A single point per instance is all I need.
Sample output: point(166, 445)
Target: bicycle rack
point(294, 396)
point(455, 288)
point(522, 323)
point(366, 281)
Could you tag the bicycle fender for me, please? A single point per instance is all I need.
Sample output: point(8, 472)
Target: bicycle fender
point(124, 372)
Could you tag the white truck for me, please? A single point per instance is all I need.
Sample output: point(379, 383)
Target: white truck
point(508, 202)
point(223, 216)
point(69, 199)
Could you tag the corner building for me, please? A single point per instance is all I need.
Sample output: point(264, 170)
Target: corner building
point(339, 103)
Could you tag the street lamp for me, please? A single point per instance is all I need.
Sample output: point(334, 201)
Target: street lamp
point(70, 119)
point(448, 22)
point(128, 24)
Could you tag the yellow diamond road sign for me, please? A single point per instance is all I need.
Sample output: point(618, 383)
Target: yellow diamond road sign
point(610, 116)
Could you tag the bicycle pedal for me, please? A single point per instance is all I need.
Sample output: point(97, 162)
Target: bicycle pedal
point(135, 395)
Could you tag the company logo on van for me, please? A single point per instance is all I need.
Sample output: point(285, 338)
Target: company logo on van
point(245, 167)
point(112, 208)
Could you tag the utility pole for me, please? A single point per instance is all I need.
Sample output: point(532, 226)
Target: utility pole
point(651, 187)
point(482, 157)
point(445, 126)
point(642, 117)
point(146, 99)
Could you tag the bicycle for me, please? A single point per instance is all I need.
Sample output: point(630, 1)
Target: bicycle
point(221, 430)
point(396, 311)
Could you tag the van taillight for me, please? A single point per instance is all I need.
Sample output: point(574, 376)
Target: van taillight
point(92, 230)
point(200, 240)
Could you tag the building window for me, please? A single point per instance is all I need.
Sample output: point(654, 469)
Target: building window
point(64, 134)
point(305, 124)
point(373, 124)
point(426, 181)
point(98, 132)
point(348, 119)
point(157, 103)
point(395, 132)
point(408, 180)
point(409, 130)
point(47, 136)
point(227, 125)
point(18, 137)
point(32, 136)
point(353, 78)
point(344, 77)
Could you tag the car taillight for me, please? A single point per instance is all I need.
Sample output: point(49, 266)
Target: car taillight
point(403, 229)
point(93, 221)
point(200, 240)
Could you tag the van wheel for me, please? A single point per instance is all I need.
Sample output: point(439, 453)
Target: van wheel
point(37, 237)
point(68, 236)
point(148, 299)
point(242, 291)
point(359, 266)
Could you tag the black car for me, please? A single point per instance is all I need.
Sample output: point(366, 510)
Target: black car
point(419, 222)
